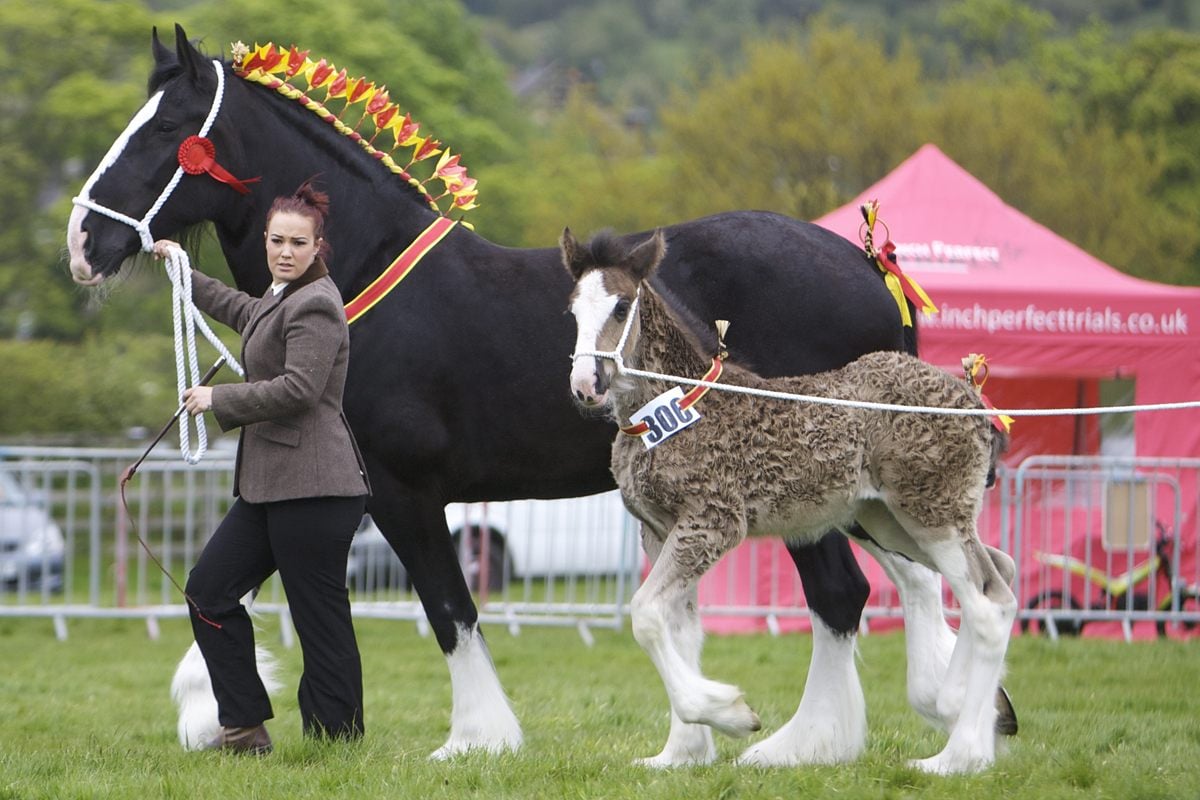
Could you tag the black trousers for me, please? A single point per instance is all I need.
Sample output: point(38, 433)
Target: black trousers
point(308, 541)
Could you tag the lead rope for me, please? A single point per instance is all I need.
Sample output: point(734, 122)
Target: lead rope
point(185, 318)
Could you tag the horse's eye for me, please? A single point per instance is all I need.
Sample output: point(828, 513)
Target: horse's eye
point(167, 126)
point(621, 311)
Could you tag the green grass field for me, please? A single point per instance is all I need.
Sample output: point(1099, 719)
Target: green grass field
point(91, 718)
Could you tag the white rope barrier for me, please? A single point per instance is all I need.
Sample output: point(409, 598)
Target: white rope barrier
point(185, 318)
point(618, 359)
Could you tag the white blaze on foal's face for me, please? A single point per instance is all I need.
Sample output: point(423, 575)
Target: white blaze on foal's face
point(592, 306)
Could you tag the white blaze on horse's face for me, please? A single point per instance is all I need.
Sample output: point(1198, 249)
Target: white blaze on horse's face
point(81, 270)
point(592, 307)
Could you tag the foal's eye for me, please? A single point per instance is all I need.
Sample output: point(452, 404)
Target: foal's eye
point(621, 311)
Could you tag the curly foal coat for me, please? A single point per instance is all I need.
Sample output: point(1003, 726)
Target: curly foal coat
point(756, 467)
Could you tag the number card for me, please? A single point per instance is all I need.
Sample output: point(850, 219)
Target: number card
point(664, 417)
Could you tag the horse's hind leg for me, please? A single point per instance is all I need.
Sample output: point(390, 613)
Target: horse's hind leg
point(988, 610)
point(687, 742)
point(687, 554)
point(830, 724)
point(414, 523)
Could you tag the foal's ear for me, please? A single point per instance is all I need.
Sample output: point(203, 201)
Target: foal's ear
point(642, 260)
point(570, 254)
point(189, 57)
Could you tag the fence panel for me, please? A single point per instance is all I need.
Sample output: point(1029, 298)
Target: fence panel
point(1097, 541)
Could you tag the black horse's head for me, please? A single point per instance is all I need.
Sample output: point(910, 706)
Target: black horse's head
point(142, 162)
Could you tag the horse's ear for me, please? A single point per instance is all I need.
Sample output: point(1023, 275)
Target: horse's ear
point(570, 254)
point(161, 54)
point(189, 57)
point(642, 260)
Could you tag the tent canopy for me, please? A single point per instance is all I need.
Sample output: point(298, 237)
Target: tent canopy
point(1051, 318)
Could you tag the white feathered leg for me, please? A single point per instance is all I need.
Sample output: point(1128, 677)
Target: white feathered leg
point(480, 717)
point(929, 640)
point(830, 725)
point(687, 742)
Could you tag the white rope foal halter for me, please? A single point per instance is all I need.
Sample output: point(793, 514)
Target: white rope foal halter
point(185, 317)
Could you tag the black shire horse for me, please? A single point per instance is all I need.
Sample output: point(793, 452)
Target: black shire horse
point(456, 385)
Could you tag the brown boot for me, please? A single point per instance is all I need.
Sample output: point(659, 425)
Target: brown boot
point(250, 740)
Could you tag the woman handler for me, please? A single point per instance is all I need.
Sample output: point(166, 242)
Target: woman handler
point(300, 485)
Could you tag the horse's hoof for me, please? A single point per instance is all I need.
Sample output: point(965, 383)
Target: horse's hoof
point(950, 764)
point(1006, 715)
point(666, 760)
point(941, 765)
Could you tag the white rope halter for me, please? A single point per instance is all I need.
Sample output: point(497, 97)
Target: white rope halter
point(185, 317)
point(615, 355)
point(142, 226)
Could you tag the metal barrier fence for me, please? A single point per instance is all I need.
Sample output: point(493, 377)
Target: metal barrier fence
point(1096, 540)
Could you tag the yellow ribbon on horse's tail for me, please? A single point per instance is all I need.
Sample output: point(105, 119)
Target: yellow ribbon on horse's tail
point(900, 285)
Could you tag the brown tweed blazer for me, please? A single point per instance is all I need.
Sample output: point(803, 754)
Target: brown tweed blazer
point(295, 441)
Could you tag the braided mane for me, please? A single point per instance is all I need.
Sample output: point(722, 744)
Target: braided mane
point(264, 63)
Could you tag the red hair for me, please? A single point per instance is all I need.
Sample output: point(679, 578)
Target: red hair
point(309, 202)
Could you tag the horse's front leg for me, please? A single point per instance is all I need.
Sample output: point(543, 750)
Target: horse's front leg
point(830, 724)
point(690, 549)
point(687, 742)
point(414, 523)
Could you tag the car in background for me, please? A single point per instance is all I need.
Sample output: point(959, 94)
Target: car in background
point(577, 536)
point(32, 548)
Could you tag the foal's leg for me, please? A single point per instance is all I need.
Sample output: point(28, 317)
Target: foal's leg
point(929, 640)
point(830, 725)
point(687, 743)
point(937, 659)
point(686, 555)
point(988, 610)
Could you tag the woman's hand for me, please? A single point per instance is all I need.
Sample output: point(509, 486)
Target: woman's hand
point(197, 400)
point(162, 246)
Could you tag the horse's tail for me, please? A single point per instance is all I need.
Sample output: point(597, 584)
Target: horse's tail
point(999, 446)
point(191, 689)
point(910, 331)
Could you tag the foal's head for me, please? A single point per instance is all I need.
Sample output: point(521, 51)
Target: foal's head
point(607, 275)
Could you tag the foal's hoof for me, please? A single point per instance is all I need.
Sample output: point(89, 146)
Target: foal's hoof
point(736, 720)
point(1006, 715)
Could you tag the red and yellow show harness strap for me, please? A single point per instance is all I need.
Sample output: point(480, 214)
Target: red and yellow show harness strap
point(399, 268)
point(690, 399)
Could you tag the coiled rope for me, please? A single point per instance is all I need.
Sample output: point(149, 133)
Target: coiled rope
point(185, 319)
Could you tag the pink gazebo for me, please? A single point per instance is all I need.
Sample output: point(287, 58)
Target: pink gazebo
point(1053, 321)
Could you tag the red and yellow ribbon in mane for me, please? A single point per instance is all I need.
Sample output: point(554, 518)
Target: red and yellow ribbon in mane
point(975, 367)
point(274, 67)
point(900, 285)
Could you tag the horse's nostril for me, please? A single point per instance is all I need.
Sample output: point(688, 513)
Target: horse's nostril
point(579, 394)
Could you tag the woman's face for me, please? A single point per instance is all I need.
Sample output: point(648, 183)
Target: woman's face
point(291, 245)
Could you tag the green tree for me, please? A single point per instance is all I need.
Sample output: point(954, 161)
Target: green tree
point(806, 124)
point(68, 89)
point(428, 52)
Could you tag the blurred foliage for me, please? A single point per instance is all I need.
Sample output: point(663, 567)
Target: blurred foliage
point(1083, 114)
